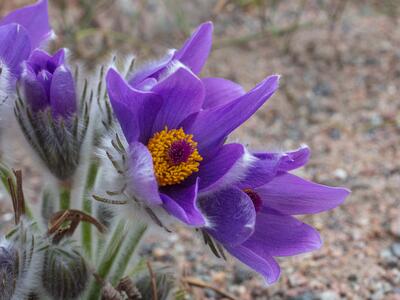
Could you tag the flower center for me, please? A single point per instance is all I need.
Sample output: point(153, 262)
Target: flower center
point(255, 198)
point(175, 156)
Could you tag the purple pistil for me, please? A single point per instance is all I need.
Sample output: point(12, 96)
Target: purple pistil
point(255, 198)
point(179, 152)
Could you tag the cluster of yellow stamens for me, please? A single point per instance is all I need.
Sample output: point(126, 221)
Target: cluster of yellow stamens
point(175, 156)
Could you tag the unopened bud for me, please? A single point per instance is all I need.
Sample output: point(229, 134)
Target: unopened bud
point(65, 273)
point(8, 269)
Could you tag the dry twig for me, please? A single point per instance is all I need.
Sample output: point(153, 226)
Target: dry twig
point(201, 284)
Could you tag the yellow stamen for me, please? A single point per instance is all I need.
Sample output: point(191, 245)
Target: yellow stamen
point(170, 169)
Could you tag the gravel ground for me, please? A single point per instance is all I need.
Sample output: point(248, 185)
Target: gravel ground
point(339, 95)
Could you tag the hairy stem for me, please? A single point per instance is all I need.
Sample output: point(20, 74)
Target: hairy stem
point(87, 208)
point(108, 258)
point(129, 247)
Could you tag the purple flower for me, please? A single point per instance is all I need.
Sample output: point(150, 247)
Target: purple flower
point(253, 217)
point(47, 82)
point(48, 112)
point(21, 31)
point(176, 147)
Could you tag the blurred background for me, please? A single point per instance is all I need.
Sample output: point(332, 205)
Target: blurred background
point(340, 67)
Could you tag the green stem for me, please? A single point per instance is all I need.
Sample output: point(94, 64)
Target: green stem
point(129, 247)
point(107, 261)
point(87, 208)
point(65, 197)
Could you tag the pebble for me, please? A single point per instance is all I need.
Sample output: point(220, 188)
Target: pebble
point(340, 174)
point(396, 249)
point(159, 252)
point(219, 277)
point(388, 257)
point(395, 227)
point(305, 296)
point(329, 295)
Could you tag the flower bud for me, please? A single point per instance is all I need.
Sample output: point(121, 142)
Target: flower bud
point(48, 83)
point(8, 269)
point(65, 273)
point(47, 111)
point(20, 263)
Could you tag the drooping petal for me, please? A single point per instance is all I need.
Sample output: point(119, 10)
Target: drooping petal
point(292, 195)
point(211, 127)
point(230, 215)
point(63, 93)
point(14, 47)
point(227, 166)
point(220, 91)
point(266, 265)
point(195, 51)
point(35, 19)
point(269, 164)
point(143, 183)
point(288, 160)
point(135, 110)
point(181, 203)
point(34, 92)
point(279, 235)
point(183, 94)
point(151, 70)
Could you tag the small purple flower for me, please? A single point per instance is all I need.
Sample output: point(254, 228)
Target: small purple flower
point(47, 82)
point(176, 147)
point(253, 217)
point(48, 113)
point(21, 31)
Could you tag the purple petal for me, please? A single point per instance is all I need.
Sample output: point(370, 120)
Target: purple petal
point(45, 78)
point(266, 265)
point(142, 181)
point(147, 84)
point(34, 92)
point(292, 195)
point(195, 51)
point(288, 160)
point(279, 235)
point(14, 47)
point(220, 91)
point(152, 69)
point(40, 59)
point(136, 110)
point(181, 203)
point(35, 19)
point(62, 93)
point(259, 173)
point(223, 168)
point(268, 165)
point(183, 94)
point(211, 127)
point(230, 215)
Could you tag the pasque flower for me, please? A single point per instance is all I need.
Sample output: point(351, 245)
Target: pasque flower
point(48, 112)
point(253, 218)
point(21, 31)
point(47, 82)
point(176, 147)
